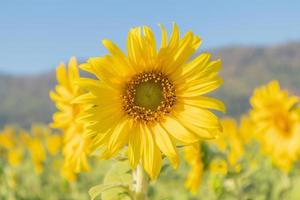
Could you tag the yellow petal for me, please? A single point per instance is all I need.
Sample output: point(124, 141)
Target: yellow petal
point(201, 87)
point(61, 74)
point(73, 73)
point(206, 102)
point(178, 131)
point(165, 144)
point(120, 135)
point(151, 154)
point(134, 146)
point(199, 121)
point(164, 37)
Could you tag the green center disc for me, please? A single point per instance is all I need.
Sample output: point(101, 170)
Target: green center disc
point(148, 95)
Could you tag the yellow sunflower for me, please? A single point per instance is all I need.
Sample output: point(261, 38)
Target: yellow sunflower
point(218, 166)
point(192, 154)
point(75, 145)
point(231, 143)
point(7, 138)
point(15, 157)
point(275, 115)
point(10, 146)
point(151, 99)
point(37, 153)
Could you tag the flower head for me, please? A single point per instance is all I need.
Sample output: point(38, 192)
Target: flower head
point(275, 115)
point(37, 152)
point(75, 145)
point(7, 138)
point(15, 157)
point(231, 143)
point(150, 99)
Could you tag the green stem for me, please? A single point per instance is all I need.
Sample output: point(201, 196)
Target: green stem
point(141, 183)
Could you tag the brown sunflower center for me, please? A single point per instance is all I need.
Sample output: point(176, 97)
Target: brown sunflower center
point(148, 96)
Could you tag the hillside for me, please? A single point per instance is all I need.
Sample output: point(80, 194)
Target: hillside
point(24, 100)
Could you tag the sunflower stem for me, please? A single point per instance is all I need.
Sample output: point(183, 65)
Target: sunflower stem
point(141, 183)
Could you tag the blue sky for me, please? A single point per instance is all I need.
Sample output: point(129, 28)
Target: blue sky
point(37, 35)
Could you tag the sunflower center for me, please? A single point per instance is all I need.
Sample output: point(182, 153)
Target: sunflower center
point(282, 123)
point(148, 96)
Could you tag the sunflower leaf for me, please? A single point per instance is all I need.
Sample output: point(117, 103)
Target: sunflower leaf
point(98, 189)
point(119, 173)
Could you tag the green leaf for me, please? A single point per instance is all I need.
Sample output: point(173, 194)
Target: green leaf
point(98, 189)
point(119, 173)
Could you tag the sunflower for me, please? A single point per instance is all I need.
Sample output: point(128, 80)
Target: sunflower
point(37, 153)
point(150, 100)
point(15, 157)
point(277, 125)
point(75, 145)
point(7, 138)
point(10, 146)
point(53, 143)
point(231, 143)
point(218, 166)
point(192, 154)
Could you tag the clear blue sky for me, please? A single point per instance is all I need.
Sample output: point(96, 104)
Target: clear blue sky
point(37, 35)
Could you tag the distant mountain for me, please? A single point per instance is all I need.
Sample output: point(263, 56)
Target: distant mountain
point(24, 100)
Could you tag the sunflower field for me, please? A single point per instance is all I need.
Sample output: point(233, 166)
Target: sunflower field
point(143, 125)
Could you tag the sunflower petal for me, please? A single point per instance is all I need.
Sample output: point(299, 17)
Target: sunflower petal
point(166, 144)
point(178, 131)
point(151, 154)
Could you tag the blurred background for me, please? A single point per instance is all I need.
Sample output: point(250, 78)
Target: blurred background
point(257, 40)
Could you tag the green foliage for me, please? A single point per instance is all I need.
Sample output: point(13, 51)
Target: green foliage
point(117, 184)
point(258, 179)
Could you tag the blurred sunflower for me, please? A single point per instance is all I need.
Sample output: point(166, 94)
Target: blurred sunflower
point(151, 99)
point(53, 143)
point(7, 138)
point(231, 143)
point(40, 131)
point(218, 166)
point(10, 146)
point(37, 152)
point(15, 157)
point(276, 117)
point(75, 146)
point(192, 154)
